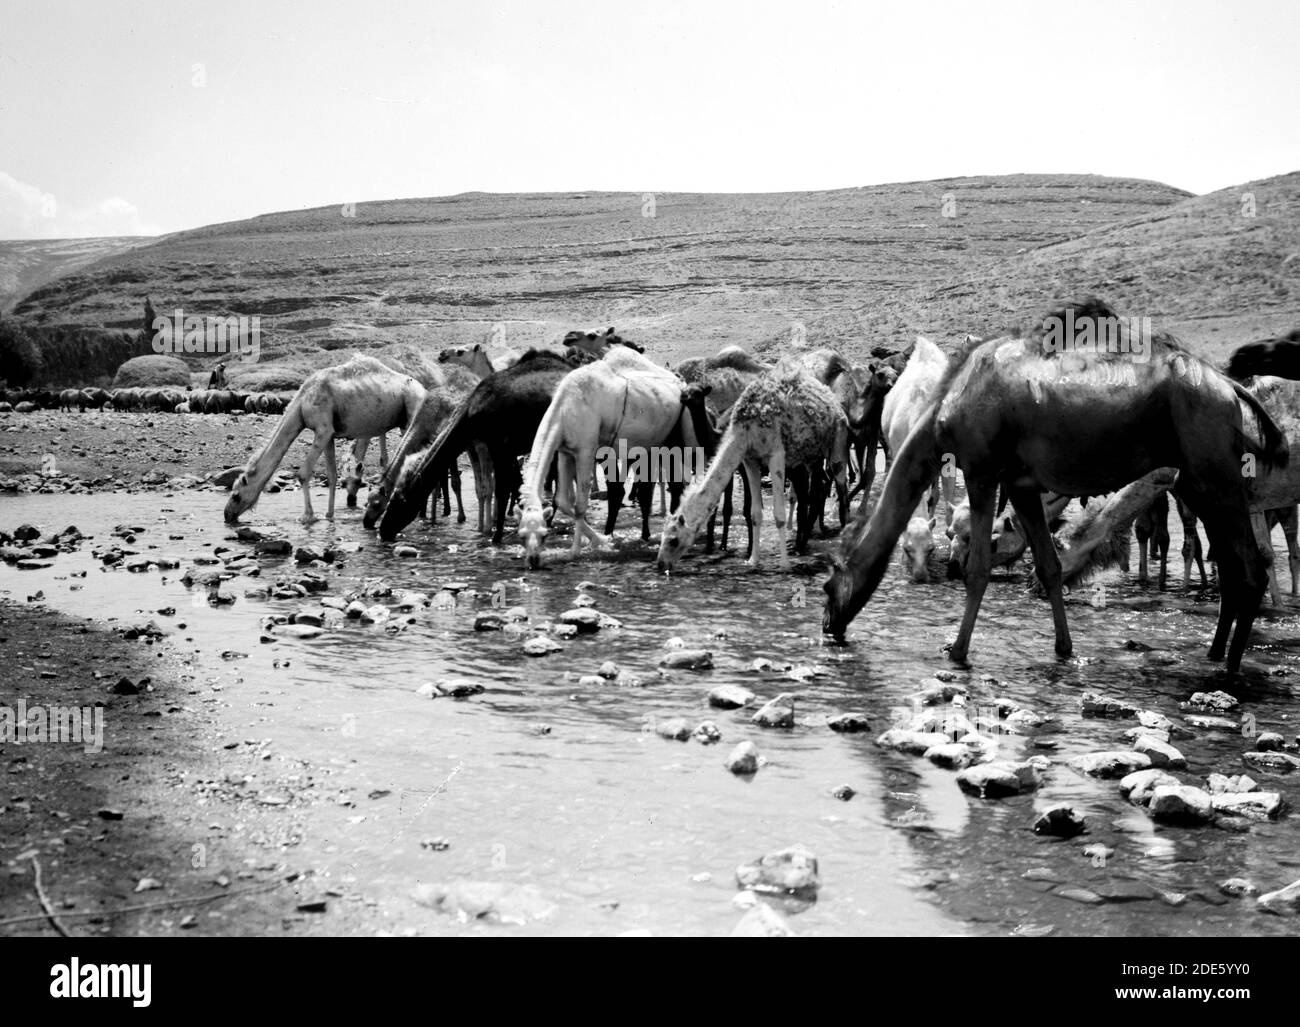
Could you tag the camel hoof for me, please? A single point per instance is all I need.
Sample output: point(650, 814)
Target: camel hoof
point(307, 519)
point(460, 519)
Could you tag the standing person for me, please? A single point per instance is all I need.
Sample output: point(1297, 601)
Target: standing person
point(217, 380)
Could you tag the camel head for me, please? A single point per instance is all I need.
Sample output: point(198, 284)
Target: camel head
point(918, 546)
point(375, 503)
point(243, 495)
point(678, 536)
point(839, 609)
point(598, 343)
point(532, 528)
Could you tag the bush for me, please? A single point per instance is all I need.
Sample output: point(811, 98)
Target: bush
point(20, 356)
point(152, 370)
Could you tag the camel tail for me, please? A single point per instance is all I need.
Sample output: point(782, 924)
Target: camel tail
point(869, 542)
point(1272, 450)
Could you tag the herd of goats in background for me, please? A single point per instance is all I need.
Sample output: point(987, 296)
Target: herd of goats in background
point(1005, 419)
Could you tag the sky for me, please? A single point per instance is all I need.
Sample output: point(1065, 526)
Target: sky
point(120, 118)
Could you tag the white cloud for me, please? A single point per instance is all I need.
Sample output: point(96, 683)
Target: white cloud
point(28, 212)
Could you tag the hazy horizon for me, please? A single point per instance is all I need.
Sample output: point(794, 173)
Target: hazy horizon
point(136, 119)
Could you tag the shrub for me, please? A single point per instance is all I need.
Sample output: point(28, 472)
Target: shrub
point(152, 370)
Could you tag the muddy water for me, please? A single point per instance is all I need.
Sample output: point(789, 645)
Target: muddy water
point(621, 829)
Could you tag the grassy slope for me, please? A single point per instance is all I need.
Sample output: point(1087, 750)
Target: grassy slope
point(27, 264)
point(704, 271)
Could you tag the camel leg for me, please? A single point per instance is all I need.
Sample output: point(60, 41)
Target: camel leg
point(352, 481)
point(453, 478)
point(331, 476)
point(754, 510)
point(1263, 539)
point(1143, 530)
point(504, 472)
point(1160, 537)
point(979, 562)
point(583, 467)
point(776, 468)
point(1289, 529)
point(645, 499)
point(614, 492)
point(308, 470)
point(1047, 564)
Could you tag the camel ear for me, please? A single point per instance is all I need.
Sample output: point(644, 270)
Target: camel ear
point(706, 390)
point(609, 331)
point(932, 523)
point(478, 347)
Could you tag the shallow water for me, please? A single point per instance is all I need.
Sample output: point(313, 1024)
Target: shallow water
point(617, 826)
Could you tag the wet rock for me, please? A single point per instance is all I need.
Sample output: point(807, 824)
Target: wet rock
point(1134, 733)
point(1043, 874)
point(1152, 719)
point(34, 565)
point(1181, 804)
point(1220, 701)
point(688, 659)
point(585, 619)
point(1271, 762)
point(676, 729)
point(1269, 741)
point(676, 642)
point(1220, 784)
point(762, 922)
point(1119, 890)
point(843, 792)
point(1081, 895)
point(564, 630)
point(273, 547)
point(849, 723)
point(778, 712)
point(1237, 887)
point(1252, 805)
point(938, 693)
point(489, 622)
point(591, 681)
point(1283, 902)
point(1212, 723)
point(354, 609)
point(915, 742)
point(608, 670)
point(1110, 764)
point(376, 614)
point(125, 686)
point(1094, 704)
point(743, 759)
point(311, 618)
point(517, 614)
point(730, 697)
point(1098, 853)
point(1060, 822)
point(997, 779)
point(791, 871)
point(456, 688)
point(762, 664)
point(405, 552)
point(1020, 721)
point(26, 532)
point(707, 732)
point(406, 601)
point(1139, 786)
point(298, 631)
point(492, 901)
point(952, 756)
point(540, 645)
point(150, 629)
point(1161, 754)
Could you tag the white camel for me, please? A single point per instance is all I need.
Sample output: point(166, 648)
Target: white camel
point(360, 399)
point(621, 396)
point(787, 419)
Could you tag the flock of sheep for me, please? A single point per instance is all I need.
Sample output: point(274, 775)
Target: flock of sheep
point(166, 400)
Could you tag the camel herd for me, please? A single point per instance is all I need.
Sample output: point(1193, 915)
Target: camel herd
point(1017, 421)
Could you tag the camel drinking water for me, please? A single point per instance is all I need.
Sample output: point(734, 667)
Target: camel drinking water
point(786, 418)
point(1035, 415)
point(360, 399)
point(623, 396)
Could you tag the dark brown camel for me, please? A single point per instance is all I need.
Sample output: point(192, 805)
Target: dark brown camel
point(502, 412)
point(1078, 420)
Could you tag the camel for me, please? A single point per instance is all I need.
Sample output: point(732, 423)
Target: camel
point(855, 395)
point(474, 358)
point(1151, 526)
point(786, 418)
point(359, 399)
point(1278, 357)
point(623, 396)
point(1038, 414)
point(727, 374)
point(502, 413)
point(597, 344)
point(917, 548)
